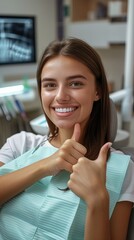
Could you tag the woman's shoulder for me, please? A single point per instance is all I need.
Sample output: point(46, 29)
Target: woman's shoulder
point(18, 144)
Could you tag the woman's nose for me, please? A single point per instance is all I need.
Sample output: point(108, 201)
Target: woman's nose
point(62, 94)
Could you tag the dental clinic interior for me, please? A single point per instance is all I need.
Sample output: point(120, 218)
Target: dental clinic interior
point(26, 28)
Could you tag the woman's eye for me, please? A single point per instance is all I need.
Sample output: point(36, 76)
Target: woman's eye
point(49, 85)
point(76, 84)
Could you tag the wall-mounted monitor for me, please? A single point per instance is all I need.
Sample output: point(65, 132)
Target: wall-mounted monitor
point(17, 39)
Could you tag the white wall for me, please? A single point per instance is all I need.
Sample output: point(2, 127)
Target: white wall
point(45, 12)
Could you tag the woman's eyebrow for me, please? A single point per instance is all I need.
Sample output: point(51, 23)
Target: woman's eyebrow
point(76, 76)
point(71, 77)
point(47, 79)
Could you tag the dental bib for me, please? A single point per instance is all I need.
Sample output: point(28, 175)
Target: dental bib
point(46, 212)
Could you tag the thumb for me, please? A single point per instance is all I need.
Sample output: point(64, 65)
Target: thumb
point(104, 152)
point(76, 132)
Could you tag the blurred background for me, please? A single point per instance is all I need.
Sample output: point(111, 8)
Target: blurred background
point(26, 27)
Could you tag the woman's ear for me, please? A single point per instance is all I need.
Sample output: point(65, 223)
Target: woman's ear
point(97, 96)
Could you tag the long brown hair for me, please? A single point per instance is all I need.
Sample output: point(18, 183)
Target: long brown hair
point(98, 126)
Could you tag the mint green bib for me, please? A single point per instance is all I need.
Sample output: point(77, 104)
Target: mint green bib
point(43, 211)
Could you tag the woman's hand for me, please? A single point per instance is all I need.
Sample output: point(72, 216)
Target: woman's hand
point(89, 177)
point(88, 181)
point(67, 155)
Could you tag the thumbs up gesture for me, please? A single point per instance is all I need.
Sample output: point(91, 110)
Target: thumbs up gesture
point(72, 150)
point(89, 176)
point(67, 155)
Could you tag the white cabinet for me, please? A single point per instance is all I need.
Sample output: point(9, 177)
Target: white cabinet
point(100, 34)
point(117, 32)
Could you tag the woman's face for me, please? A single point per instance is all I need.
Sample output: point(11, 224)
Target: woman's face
point(68, 90)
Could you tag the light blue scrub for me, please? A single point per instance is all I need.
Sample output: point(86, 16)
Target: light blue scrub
point(43, 211)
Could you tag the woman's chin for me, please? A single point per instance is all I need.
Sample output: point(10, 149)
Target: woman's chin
point(65, 126)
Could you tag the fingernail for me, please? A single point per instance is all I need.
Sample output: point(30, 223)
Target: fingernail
point(109, 144)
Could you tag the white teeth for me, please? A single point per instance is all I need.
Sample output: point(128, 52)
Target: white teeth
point(64, 110)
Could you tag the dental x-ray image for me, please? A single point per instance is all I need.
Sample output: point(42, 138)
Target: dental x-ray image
point(17, 40)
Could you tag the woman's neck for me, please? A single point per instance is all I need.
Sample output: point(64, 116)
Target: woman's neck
point(61, 137)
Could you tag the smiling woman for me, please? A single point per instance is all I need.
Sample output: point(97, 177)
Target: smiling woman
point(67, 96)
point(75, 154)
point(83, 77)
